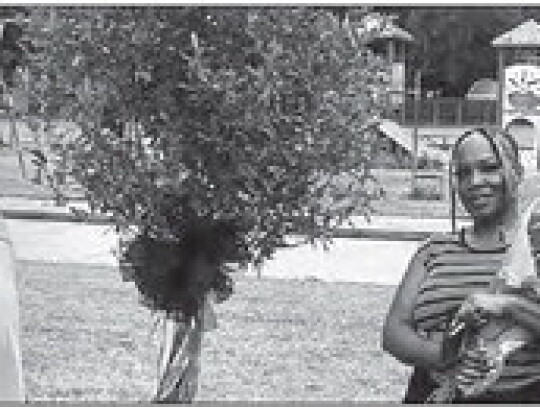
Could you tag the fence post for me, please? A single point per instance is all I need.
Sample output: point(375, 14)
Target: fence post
point(404, 107)
point(15, 140)
point(452, 199)
point(417, 100)
point(11, 377)
point(445, 183)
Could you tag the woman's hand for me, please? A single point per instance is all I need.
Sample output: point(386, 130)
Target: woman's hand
point(442, 361)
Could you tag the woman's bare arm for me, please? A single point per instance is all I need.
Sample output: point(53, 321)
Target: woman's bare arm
point(399, 337)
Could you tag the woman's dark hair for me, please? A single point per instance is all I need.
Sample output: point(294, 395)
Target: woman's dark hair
point(491, 140)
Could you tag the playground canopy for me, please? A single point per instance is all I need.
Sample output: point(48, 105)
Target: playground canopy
point(484, 89)
point(524, 35)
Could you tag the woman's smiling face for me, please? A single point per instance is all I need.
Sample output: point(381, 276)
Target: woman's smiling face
point(482, 184)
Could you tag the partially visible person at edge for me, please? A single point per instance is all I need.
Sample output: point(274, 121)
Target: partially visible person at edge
point(11, 368)
point(181, 281)
point(448, 268)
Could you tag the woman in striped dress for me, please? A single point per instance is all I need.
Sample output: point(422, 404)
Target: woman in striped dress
point(450, 268)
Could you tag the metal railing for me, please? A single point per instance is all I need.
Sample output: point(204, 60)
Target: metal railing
point(443, 111)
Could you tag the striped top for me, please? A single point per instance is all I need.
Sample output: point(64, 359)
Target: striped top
point(454, 270)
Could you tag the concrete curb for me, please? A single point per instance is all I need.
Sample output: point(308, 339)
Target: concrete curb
point(349, 233)
point(379, 234)
point(38, 215)
point(389, 228)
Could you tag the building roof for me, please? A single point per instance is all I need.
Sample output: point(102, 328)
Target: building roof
point(526, 34)
point(401, 136)
point(391, 30)
point(483, 89)
point(404, 137)
point(385, 29)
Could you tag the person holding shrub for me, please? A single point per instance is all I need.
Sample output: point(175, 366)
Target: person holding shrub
point(453, 273)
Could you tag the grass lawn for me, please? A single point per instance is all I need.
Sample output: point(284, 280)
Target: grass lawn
point(84, 337)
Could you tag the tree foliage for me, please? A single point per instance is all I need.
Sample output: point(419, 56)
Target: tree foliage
point(190, 115)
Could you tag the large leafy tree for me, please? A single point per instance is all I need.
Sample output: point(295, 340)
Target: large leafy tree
point(209, 135)
point(235, 120)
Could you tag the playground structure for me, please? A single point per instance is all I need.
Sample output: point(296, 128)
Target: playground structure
point(427, 126)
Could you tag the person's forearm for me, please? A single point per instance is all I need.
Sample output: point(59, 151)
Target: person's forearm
point(409, 348)
point(526, 313)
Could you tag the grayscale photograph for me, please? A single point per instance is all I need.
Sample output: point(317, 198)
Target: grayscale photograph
point(270, 203)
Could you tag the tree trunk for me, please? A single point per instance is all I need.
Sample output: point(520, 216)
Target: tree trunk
point(179, 361)
point(180, 353)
